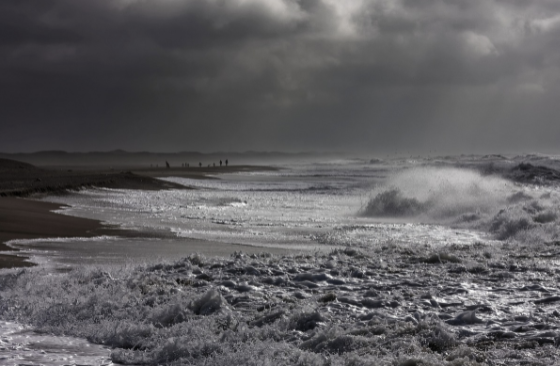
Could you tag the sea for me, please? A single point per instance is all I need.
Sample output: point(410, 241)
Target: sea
point(310, 207)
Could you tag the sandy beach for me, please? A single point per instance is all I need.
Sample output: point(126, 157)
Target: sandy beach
point(28, 219)
point(22, 217)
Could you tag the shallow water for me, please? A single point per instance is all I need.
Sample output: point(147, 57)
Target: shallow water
point(21, 346)
point(110, 251)
point(307, 207)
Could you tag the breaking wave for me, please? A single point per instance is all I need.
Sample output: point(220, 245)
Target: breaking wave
point(467, 199)
point(393, 203)
point(438, 193)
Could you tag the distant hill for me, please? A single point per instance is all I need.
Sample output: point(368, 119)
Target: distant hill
point(10, 165)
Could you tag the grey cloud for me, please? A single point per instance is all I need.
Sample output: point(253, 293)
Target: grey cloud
point(278, 74)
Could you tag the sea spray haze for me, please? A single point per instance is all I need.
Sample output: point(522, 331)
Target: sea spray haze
point(468, 198)
point(466, 275)
point(438, 193)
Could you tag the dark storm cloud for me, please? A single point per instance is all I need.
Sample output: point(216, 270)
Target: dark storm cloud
point(279, 74)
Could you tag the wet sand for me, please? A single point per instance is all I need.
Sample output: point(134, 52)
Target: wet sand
point(19, 179)
point(29, 219)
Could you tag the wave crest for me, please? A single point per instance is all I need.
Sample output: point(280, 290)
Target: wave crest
point(392, 203)
point(438, 194)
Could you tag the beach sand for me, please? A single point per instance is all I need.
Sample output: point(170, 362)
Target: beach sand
point(28, 219)
point(19, 179)
point(25, 218)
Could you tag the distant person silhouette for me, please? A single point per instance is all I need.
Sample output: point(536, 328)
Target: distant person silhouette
point(220, 163)
point(167, 164)
point(226, 162)
point(200, 165)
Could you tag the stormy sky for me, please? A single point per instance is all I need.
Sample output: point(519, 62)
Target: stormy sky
point(375, 76)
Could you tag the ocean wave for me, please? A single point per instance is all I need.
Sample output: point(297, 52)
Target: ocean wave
point(393, 203)
point(438, 193)
point(464, 198)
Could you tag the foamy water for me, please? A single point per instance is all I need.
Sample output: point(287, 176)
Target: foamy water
point(438, 194)
point(306, 207)
point(447, 251)
point(20, 345)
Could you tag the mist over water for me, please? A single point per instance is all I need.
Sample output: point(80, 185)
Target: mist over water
point(468, 199)
point(437, 194)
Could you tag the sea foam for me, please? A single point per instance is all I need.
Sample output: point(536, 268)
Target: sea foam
point(467, 199)
point(437, 194)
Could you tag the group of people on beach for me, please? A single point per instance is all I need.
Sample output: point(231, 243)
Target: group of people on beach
point(186, 165)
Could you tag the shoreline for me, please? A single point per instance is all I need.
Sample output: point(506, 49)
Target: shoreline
point(22, 217)
point(31, 219)
point(18, 179)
